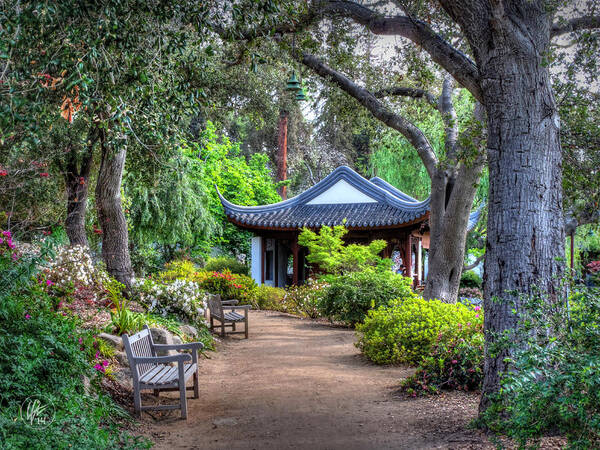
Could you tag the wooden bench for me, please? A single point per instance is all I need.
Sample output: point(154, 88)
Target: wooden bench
point(159, 372)
point(225, 313)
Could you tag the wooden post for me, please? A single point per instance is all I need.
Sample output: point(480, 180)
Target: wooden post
point(282, 152)
point(296, 255)
point(408, 255)
point(262, 260)
point(276, 262)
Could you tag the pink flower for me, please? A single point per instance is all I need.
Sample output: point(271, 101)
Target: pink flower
point(49, 283)
point(6, 234)
point(80, 340)
point(14, 257)
point(477, 316)
point(477, 308)
point(454, 361)
point(44, 174)
point(105, 363)
point(99, 368)
point(27, 316)
point(97, 355)
point(1, 241)
point(3, 173)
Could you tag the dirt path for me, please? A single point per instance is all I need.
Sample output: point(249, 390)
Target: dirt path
point(299, 384)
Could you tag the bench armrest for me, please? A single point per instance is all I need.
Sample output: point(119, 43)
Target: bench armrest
point(238, 307)
point(230, 302)
point(181, 357)
point(186, 346)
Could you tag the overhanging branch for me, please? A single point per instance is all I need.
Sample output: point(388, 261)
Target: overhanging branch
point(401, 91)
point(414, 135)
point(579, 23)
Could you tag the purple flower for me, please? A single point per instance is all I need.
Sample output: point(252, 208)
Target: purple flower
point(97, 355)
point(99, 368)
point(6, 233)
point(27, 316)
point(80, 340)
point(14, 257)
point(1, 241)
point(105, 363)
point(49, 282)
point(477, 316)
point(454, 361)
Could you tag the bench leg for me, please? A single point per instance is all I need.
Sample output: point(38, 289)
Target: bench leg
point(246, 325)
point(182, 399)
point(196, 389)
point(137, 401)
point(212, 323)
point(222, 329)
point(233, 327)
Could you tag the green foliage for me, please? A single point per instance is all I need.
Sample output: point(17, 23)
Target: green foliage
point(554, 382)
point(305, 299)
point(267, 297)
point(43, 356)
point(455, 362)
point(178, 269)
point(229, 286)
point(327, 250)
point(407, 329)
point(349, 297)
point(470, 279)
point(222, 263)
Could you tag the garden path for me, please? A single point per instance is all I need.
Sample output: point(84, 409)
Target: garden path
point(302, 384)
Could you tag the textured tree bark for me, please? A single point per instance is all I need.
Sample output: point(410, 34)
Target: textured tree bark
point(76, 181)
point(525, 241)
point(115, 239)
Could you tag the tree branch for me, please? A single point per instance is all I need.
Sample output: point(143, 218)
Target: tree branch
point(414, 135)
point(446, 108)
point(407, 92)
point(452, 60)
point(579, 23)
point(474, 263)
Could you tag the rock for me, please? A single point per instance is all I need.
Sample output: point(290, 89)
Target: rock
point(189, 330)
point(225, 421)
point(177, 339)
point(87, 387)
point(121, 357)
point(113, 340)
point(162, 336)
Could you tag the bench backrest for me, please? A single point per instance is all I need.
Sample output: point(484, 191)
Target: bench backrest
point(139, 344)
point(215, 305)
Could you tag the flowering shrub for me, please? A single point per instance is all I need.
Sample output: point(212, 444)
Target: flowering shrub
point(407, 329)
point(73, 265)
point(178, 269)
point(349, 297)
point(181, 298)
point(470, 293)
point(594, 269)
point(305, 299)
point(455, 362)
point(229, 285)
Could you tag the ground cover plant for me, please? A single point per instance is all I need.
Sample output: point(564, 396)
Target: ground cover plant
point(45, 357)
point(553, 386)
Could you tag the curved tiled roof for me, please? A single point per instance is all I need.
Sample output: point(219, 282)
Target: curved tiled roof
point(386, 206)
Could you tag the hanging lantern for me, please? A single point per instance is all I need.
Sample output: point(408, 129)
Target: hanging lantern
point(301, 95)
point(293, 84)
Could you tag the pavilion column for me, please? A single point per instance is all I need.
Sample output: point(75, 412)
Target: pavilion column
point(263, 251)
point(408, 255)
point(296, 256)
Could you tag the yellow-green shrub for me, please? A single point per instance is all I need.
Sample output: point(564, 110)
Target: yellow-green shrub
point(266, 297)
point(406, 330)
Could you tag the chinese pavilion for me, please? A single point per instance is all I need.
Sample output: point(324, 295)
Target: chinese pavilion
point(370, 209)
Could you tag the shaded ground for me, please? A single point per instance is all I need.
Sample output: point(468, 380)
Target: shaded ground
point(300, 384)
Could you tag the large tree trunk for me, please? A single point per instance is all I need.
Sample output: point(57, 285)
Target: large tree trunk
point(76, 181)
point(525, 239)
point(451, 200)
point(115, 248)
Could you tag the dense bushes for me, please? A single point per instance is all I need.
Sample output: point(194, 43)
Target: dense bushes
point(223, 263)
point(349, 297)
point(43, 358)
point(470, 279)
point(554, 383)
point(406, 330)
point(306, 299)
point(267, 297)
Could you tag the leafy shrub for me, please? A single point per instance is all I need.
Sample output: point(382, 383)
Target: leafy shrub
point(223, 263)
point(327, 250)
point(554, 382)
point(179, 269)
point(267, 297)
point(181, 298)
point(229, 286)
point(455, 362)
point(43, 357)
point(470, 279)
point(349, 297)
point(304, 299)
point(407, 329)
point(470, 293)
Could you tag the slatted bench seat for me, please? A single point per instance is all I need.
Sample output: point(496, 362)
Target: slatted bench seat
point(226, 313)
point(158, 372)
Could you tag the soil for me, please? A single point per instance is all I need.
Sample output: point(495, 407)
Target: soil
point(302, 384)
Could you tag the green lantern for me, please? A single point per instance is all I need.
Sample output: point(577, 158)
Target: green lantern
point(301, 95)
point(293, 84)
